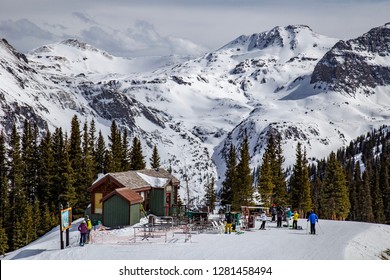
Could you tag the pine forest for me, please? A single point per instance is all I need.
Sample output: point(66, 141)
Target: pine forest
point(39, 172)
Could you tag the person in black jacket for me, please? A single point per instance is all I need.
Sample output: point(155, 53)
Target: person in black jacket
point(279, 216)
point(273, 212)
point(229, 221)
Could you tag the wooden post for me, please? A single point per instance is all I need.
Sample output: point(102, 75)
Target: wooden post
point(61, 235)
point(67, 230)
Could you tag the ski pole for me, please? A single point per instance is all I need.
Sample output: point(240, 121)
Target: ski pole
point(320, 227)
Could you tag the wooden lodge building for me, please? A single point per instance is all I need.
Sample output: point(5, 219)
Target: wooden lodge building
point(118, 198)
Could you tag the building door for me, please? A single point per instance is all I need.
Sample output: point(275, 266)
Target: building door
point(167, 203)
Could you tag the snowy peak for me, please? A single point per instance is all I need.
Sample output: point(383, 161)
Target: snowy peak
point(356, 65)
point(73, 44)
point(72, 56)
point(290, 36)
point(8, 51)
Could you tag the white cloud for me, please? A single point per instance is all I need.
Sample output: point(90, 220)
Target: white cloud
point(21, 28)
point(84, 17)
point(179, 26)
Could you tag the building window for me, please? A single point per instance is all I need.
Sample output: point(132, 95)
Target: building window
point(98, 203)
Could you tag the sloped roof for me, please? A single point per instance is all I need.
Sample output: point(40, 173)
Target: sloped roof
point(145, 178)
point(127, 194)
point(132, 179)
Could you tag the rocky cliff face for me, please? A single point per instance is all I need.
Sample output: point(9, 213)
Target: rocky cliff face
point(357, 65)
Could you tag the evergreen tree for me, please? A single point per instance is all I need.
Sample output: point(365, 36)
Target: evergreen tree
point(18, 199)
point(280, 189)
point(30, 169)
point(100, 154)
point(353, 196)
point(364, 199)
point(230, 177)
point(336, 198)
point(76, 160)
point(243, 190)
point(299, 183)
point(47, 221)
point(125, 152)
point(88, 168)
point(136, 158)
point(384, 180)
point(58, 147)
point(4, 201)
point(265, 181)
point(115, 149)
point(317, 194)
point(155, 159)
point(210, 194)
point(67, 176)
point(376, 198)
point(29, 232)
point(37, 214)
point(19, 238)
point(46, 172)
point(3, 239)
point(92, 142)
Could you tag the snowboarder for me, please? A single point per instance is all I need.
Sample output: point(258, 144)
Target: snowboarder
point(229, 221)
point(83, 228)
point(313, 219)
point(295, 220)
point(263, 218)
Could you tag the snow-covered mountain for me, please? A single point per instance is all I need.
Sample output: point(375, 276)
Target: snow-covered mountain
point(317, 90)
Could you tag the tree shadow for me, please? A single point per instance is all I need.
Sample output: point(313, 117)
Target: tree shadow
point(27, 253)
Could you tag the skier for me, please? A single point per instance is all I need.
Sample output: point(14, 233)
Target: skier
point(263, 218)
point(83, 228)
point(313, 219)
point(295, 220)
point(229, 221)
point(89, 226)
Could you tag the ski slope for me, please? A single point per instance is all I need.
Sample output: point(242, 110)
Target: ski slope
point(335, 240)
point(336, 251)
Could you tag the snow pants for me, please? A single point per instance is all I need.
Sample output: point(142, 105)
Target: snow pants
point(83, 238)
point(295, 224)
point(262, 225)
point(279, 222)
point(228, 228)
point(313, 228)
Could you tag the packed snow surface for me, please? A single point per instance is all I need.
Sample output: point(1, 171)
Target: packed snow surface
point(335, 240)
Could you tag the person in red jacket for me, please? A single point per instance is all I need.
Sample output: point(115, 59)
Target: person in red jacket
point(83, 229)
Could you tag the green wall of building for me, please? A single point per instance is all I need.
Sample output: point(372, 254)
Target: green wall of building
point(116, 212)
point(157, 202)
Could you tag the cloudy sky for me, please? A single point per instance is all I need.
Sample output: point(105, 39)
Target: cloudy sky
point(164, 27)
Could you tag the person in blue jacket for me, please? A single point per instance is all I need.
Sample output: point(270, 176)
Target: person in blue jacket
point(313, 220)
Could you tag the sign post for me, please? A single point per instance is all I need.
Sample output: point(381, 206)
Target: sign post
point(65, 224)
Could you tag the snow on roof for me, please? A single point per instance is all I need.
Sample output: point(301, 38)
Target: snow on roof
point(154, 181)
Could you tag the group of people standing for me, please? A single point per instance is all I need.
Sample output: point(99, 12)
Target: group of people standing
point(85, 228)
point(277, 214)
